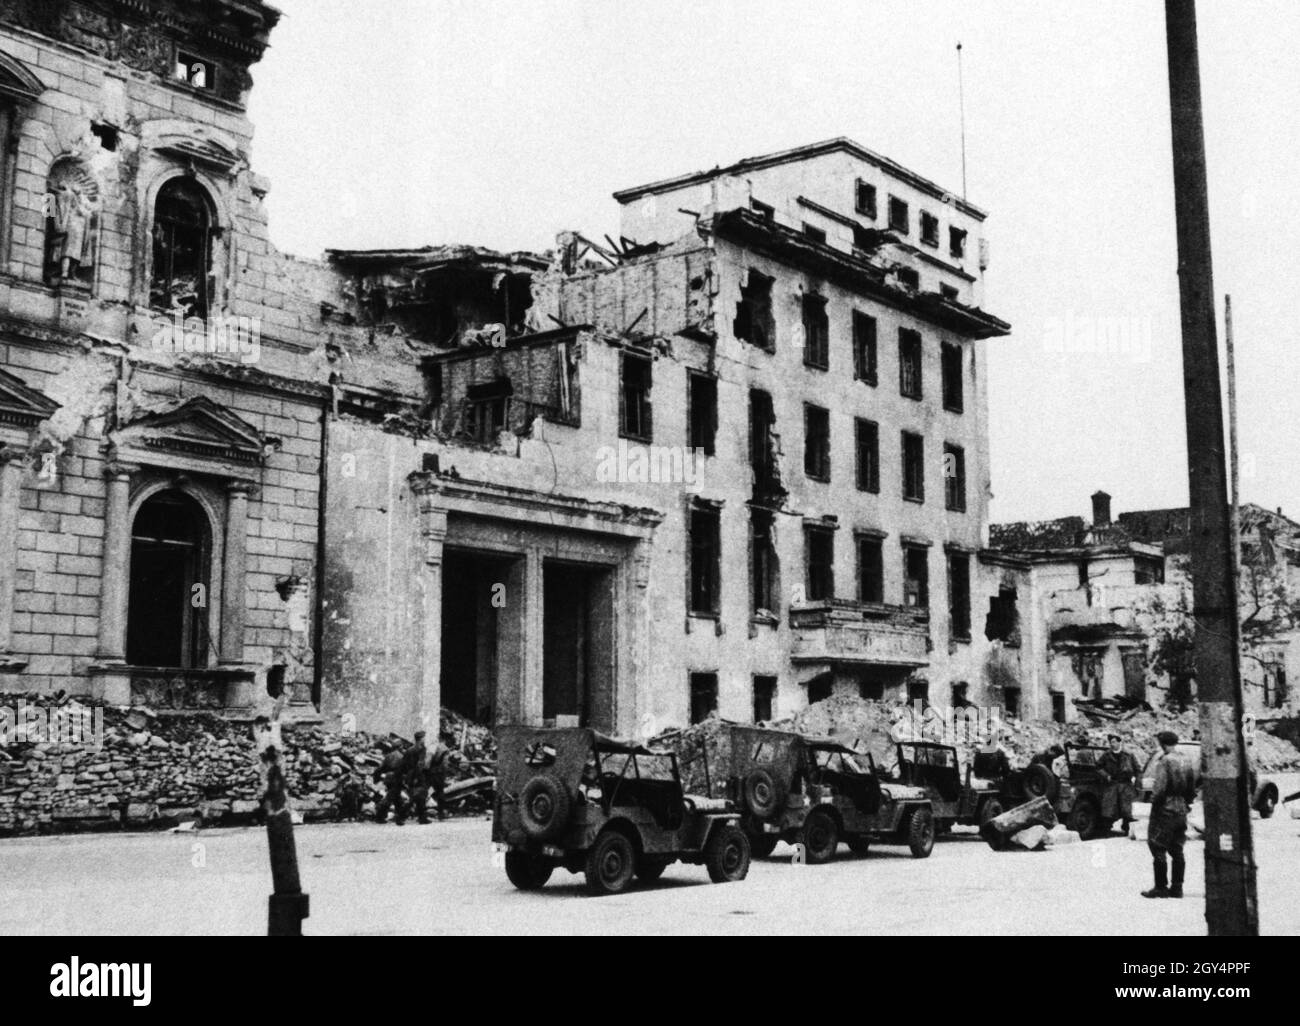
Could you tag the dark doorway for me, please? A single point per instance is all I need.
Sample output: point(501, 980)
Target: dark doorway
point(167, 617)
point(474, 594)
point(578, 645)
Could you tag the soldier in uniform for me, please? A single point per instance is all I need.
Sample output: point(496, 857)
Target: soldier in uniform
point(390, 772)
point(1172, 795)
point(1120, 766)
point(429, 772)
point(415, 774)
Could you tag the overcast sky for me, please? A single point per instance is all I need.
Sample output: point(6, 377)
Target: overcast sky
point(413, 122)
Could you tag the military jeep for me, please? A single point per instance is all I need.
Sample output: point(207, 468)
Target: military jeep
point(813, 792)
point(971, 801)
point(1085, 799)
point(611, 809)
point(1263, 792)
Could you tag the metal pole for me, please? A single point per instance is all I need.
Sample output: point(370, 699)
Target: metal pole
point(1230, 901)
point(961, 96)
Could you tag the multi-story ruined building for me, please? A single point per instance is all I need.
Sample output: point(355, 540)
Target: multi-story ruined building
point(1102, 611)
point(736, 460)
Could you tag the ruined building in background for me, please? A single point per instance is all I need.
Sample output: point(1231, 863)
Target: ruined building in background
point(735, 460)
point(1102, 612)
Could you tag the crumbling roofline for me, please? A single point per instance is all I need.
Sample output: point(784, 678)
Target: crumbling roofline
point(839, 144)
point(540, 338)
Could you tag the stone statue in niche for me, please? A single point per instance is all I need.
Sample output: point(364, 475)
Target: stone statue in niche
point(72, 224)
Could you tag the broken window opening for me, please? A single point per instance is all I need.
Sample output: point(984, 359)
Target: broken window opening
point(1149, 571)
point(929, 229)
point(954, 478)
point(1003, 620)
point(916, 576)
point(817, 442)
point(898, 216)
point(1058, 706)
point(764, 446)
point(957, 243)
point(487, 410)
point(816, 332)
point(871, 569)
point(909, 277)
point(949, 291)
point(701, 411)
point(763, 563)
point(864, 199)
point(868, 455)
point(754, 322)
point(820, 687)
point(763, 210)
point(705, 553)
point(864, 347)
point(812, 232)
point(909, 363)
point(195, 71)
point(182, 249)
point(913, 467)
point(1011, 701)
point(959, 595)
point(819, 558)
point(764, 698)
point(951, 364)
point(107, 136)
point(704, 696)
point(635, 420)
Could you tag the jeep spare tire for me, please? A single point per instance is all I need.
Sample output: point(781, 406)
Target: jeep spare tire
point(1041, 782)
point(761, 795)
point(544, 807)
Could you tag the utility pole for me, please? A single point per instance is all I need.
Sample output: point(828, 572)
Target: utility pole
point(1233, 459)
point(961, 101)
point(1230, 901)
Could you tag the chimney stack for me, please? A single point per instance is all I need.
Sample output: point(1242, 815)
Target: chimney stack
point(1100, 509)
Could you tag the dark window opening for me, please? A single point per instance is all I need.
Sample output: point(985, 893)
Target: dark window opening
point(754, 322)
point(198, 72)
point(763, 568)
point(909, 277)
point(865, 238)
point(960, 695)
point(950, 363)
point(167, 614)
point(704, 696)
point(1011, 701)
point(909, 363)
point(487, 410)
point(811, 231)
point(767, 213)
point(949, 291)
point(871, 570)
point(898, 216)
point(705, 550)
point(918, 690)
point(635, 419)
point(959, 594)
point(913, 467)
point(929, 229)
point(1279, 695)
point(763, 444)
point(864, 199)
point(182, 249)
point(107, 136)
point(819, 556)
point(864, 347)
point(820, 688)
point(1149, 571)
point(954, 478)
point(817, 442)
point(816, 333)
point(701, 411)
point(916, 576)
point(957, 242)
point(1003, 621)
point(871, 688)
point(868, 453)
point(1058, 706)
point(764, 698)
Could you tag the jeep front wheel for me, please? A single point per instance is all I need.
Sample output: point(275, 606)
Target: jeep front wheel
point(727, 854)
point(1084, 818)
point(920, 833)
point(610, 864)
point(820, 837)
point(527, 872)
point(990, 810)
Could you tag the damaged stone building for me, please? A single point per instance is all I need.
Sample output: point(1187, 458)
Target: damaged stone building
point(1101, 612)
point(734, 460)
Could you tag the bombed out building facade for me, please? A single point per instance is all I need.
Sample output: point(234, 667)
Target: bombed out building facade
point(735, 460)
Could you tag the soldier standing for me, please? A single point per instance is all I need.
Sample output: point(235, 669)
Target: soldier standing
point(390, 772)
point(1120, 766)
point(1172, 795)
point(415, 771)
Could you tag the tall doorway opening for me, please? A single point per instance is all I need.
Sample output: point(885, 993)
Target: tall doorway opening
point(475, 597)
point(167, 614)
point(578, 645)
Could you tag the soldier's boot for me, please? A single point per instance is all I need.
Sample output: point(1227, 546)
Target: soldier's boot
point(381, 812)
point(1161, 889)
point(1180, 869)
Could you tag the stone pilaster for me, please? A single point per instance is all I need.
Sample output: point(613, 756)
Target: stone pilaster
point(433, 535)
point(11, 480)
point(234, 574)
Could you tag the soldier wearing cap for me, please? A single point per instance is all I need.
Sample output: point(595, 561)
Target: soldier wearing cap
point(390, 773)
point(415, 765)
point(1120, 766)
point(1172, 794)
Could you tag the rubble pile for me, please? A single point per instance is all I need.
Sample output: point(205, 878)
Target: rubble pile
point(155, 770)
point(693, 744)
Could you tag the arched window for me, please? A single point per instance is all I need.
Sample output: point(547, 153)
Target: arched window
point(71, 224)
point(182, 249)
point(171, 553)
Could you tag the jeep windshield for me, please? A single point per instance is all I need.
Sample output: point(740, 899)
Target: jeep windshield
point(636, 766)
point(836, 760)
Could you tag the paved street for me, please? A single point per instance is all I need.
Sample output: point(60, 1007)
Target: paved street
point(364, 878)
